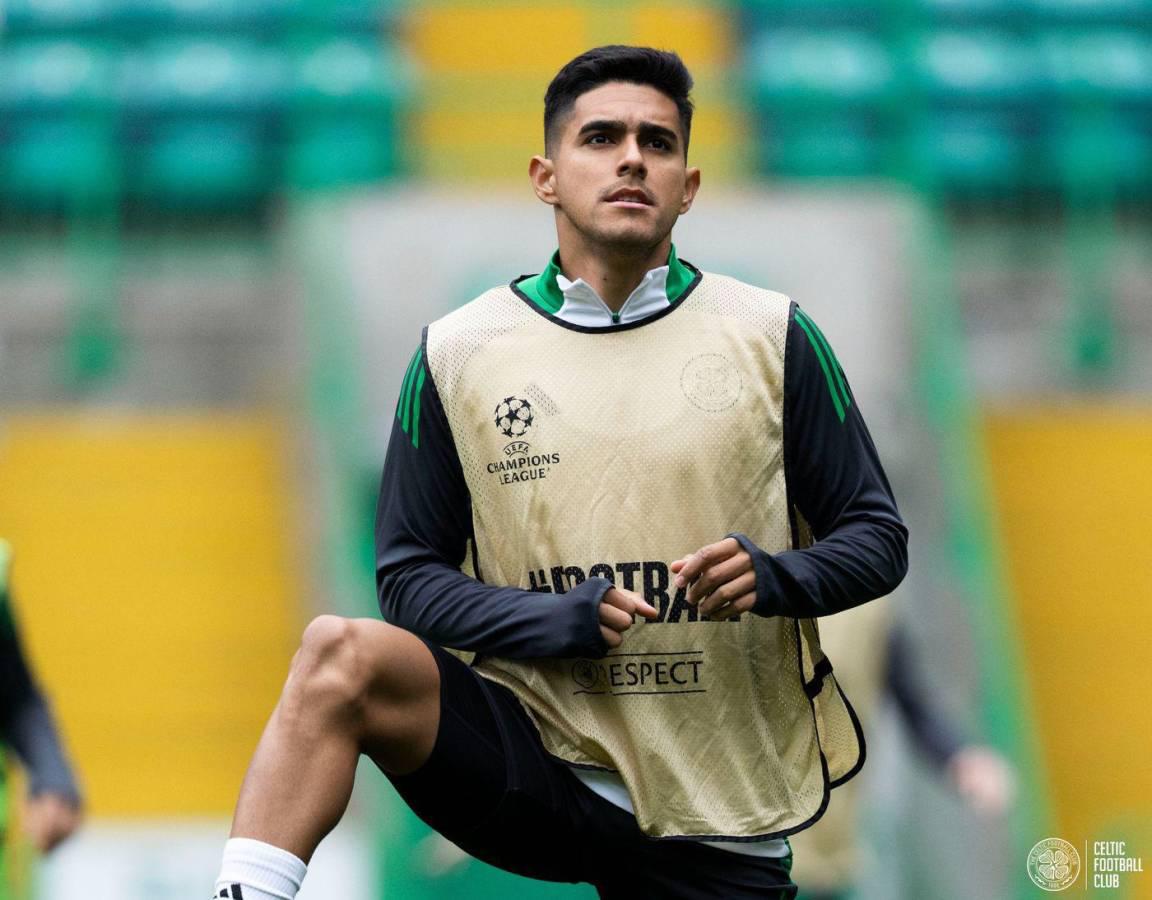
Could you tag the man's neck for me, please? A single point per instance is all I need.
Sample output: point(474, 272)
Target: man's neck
point(614, 275)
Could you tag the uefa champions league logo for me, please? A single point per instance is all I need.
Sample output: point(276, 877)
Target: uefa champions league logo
point(1053, 864)
point(513, 416)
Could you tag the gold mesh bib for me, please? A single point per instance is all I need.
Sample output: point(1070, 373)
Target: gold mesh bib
point(611, 454)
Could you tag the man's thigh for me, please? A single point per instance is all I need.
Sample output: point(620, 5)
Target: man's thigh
point(489, 786)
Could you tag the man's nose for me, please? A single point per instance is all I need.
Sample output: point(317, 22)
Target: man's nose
point(631, 160)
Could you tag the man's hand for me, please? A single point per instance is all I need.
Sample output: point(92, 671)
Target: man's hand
point(49, 819)
point(617, 610)
point(721, 579)
point(984, 779)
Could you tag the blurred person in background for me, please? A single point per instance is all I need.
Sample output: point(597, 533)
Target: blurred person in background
point(52, 809)
point(877, 662)
point(560, 444)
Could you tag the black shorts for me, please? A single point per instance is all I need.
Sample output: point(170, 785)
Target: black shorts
point(492, 789)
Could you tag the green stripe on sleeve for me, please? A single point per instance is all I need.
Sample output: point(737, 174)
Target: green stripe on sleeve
point(834, 363)
point(406, 412)
point(404, 385)
point(416, 408)
point(407, 419)
point(840, 410)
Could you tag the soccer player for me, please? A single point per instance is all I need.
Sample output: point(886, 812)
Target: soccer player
point(877, 661)
point(52, 808)
point(619, 491)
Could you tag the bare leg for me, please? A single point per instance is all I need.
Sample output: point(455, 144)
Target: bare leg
point(355, 686)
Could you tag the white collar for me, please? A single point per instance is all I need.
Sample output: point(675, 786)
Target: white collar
point(583, 306)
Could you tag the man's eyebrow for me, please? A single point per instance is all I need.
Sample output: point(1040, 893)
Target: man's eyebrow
point(646, 129)
point(602, 125)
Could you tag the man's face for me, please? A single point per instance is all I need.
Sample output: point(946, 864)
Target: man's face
point(617, 172)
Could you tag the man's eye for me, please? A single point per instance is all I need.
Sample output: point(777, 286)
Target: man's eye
point(659, 144)
point(598, 139)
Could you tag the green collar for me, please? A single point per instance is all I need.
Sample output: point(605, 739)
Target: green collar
point(543, 290)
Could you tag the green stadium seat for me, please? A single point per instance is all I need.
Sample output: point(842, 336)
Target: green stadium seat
point(976, 153)
point(343, 15)
point(1104, 154)
point(205, 16)
point(978, 67)
point(62, 17)
point(63, 164)
point(774, 13)
point(1091, 11)
point(58, 121)
point(181, 76)
point(977, 11)
point(347, 95)
point(203, 164)
point(1112, 66)
point(39, 75)
point(802, 68)
point(347, 73)
point(825, 146)
point(333, 154)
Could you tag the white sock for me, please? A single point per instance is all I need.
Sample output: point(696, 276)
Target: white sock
point(253, 870)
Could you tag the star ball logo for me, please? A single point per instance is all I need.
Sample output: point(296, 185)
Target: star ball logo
point(513, 416)
point(1053, 864)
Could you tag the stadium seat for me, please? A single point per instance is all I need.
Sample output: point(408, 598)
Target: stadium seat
point(824, 100)
point(1091, 11)
point(343, 15)
point(1110, 66)
point(759, 13)
point(987, 12)
point(204, 16)
point(349, 73)
point(972, 153)
point(978, 67)
point(67, 164)
point(346, 97)
point(41, 75)
point(825, 146)
point(203, 164)
point(802, 68)
point(66, 18)
point(200, 75)
point(58, 115)
point(201, 115)
point(334, 154)
point(1098, 155)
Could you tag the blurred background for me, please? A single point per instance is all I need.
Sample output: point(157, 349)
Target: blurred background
point(223, 223)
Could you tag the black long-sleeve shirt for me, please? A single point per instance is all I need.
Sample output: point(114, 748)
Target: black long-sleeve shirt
point(26, 723)
point(932, 732)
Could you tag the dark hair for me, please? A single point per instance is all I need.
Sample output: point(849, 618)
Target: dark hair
point(661, 69)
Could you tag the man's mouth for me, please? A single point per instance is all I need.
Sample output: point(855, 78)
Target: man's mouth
point(629, 197)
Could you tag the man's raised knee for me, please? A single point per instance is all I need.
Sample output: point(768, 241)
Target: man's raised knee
point(350, 658)
point(330, 669)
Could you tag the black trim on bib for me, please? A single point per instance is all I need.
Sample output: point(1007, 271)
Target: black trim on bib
point(609, 329)
point(820, 671)
point(860, 742)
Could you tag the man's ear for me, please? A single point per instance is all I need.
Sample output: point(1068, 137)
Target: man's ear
point(543, 175)
point(691, 186)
